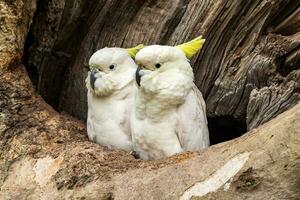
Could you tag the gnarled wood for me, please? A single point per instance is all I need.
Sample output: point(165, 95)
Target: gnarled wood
point(46, 155)
point(244, 51)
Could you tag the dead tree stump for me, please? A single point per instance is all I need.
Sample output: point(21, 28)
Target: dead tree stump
point(248, 71)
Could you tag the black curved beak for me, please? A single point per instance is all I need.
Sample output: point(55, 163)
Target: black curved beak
point(93, 78)
point(138, 76)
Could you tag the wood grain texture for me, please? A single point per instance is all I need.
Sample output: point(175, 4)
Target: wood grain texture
point(47, 155)
point(249, 45)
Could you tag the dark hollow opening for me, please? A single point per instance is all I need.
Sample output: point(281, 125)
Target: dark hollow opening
point(225, 128)
point(31, 70)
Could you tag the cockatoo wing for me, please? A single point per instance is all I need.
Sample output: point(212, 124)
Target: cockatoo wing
point(192, 128)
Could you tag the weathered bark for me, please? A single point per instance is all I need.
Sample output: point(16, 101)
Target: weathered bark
point(62, 165)
point(251, 46)
point(46, 155)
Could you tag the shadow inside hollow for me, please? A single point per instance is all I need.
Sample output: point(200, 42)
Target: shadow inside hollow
point(225, 128)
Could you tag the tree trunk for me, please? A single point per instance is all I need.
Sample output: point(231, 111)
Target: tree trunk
point(248, 70)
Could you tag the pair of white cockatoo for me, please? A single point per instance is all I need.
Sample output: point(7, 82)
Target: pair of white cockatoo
point(163, 114)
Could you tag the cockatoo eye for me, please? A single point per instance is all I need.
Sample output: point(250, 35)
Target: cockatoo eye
point(112, 66)
point(157, 65)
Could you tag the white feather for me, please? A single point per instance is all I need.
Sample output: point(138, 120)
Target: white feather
point(192, 128)
point(169, 114)
point(110, 102)
point(108, 120)
point(180, 128)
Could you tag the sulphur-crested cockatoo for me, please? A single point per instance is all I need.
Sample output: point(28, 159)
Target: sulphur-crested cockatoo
point(111, 87)
point(169, 115)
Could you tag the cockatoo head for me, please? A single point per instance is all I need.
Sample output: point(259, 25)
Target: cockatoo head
point(159, 64)
point(111, 69)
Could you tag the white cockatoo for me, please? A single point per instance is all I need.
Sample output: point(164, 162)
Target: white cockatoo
point(111, 87)
point(169, 115)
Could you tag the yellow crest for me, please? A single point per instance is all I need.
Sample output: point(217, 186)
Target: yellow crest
point(133, 51)
point(192, 47)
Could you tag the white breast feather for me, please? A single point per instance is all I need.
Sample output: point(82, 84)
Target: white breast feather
point(108, 120)
point(170, 118)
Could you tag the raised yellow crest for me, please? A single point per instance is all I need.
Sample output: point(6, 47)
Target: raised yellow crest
point(133, 51)
point(192, 47)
